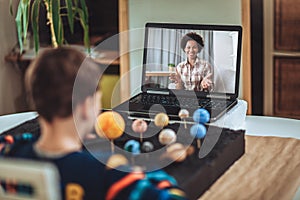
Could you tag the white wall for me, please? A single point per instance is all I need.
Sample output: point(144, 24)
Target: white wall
point(10, 77)
point(175, 11)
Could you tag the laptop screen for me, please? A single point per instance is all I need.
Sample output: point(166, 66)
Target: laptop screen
point(192, 58)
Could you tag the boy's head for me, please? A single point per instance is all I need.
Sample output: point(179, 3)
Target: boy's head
point(60, 79)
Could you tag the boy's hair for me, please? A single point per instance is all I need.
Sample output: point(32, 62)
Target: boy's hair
point(51, 77)
point(192, 36)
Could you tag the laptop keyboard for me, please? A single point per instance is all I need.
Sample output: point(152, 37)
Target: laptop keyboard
point(182, 102)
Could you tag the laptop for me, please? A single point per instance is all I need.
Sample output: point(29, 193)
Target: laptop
point(166, 56)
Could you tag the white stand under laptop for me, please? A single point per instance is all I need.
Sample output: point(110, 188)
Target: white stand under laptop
point(235, 118)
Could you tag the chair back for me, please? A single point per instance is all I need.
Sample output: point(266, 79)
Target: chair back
point(27, 180)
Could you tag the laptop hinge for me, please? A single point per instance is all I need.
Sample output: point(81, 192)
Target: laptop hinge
point(215, 96)
point(158, 92)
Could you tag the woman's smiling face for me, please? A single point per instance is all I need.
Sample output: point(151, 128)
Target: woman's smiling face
point(191, 49)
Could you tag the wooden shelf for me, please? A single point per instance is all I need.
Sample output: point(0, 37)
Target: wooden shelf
point(157, 73)
point(108, 57)
point(103, 57)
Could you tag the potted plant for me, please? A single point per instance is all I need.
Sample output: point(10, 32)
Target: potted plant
point(28, 11)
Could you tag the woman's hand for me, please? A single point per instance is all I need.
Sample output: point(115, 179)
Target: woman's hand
point(206, 82)
point(174, 77)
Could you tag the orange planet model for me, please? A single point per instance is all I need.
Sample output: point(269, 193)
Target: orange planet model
point(110, 124)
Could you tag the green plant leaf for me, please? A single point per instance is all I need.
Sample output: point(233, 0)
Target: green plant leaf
point(74, 9)
point(60, 33)
point(55, 8)
point(86, 38)
point(82, 11)
point(18, 20)
point(85, 27)
point(35, 23)
point(25, 17)
point(85, 12)
point(84, 20)
point(70, 13)
point(21, 19)
point(11, 8)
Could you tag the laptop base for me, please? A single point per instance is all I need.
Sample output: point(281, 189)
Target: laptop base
point(138, 109)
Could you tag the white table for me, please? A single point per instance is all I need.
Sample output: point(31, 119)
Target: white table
point(254, 125)
point(9, 121)
point(272, 126)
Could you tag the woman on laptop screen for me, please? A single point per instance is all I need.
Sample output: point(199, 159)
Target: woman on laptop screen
point(193, 73)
